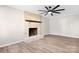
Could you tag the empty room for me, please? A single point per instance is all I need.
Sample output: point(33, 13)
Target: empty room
point(39, 28)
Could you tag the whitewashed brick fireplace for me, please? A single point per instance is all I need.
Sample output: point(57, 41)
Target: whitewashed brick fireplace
point(32, 27)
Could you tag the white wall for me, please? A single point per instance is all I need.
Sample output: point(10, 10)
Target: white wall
point(65, 25)
point(44, 26)
point(11, 25)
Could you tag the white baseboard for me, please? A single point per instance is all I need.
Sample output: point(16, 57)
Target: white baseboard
point(11, 43)
point(64, 35)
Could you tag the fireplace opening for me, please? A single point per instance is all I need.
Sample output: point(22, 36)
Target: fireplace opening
point(32, 31)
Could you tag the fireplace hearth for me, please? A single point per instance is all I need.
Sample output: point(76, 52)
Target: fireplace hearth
point(32, 31)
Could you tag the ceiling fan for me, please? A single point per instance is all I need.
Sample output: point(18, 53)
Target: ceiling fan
point(51, 10)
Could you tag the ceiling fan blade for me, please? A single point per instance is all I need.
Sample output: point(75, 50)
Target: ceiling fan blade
point(55, 7)
point(52, 14)
point(42, 10)
point(45, 14)
point(46, 7)
point(42, 13)
point(50, 7)
point(56, 12)
point(60, 10)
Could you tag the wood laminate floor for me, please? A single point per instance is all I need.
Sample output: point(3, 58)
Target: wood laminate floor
point(48, 44)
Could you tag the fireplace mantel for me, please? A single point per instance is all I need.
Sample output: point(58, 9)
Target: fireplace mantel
point(33, 21)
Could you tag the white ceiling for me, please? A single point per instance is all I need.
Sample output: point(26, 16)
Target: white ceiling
point(69, 9)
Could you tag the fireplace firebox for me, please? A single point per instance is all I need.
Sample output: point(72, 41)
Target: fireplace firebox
point(32, 31)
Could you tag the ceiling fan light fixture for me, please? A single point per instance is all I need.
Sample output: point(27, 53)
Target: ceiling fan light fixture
point(49, 12)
